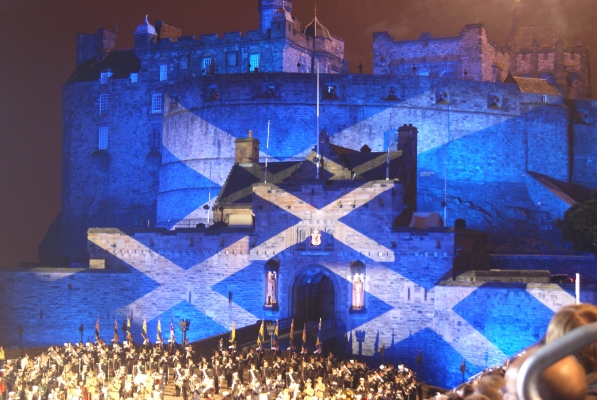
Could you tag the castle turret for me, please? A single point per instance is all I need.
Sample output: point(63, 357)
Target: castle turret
point(247, 150)
point(282, 22)
point(144, 35)
point(267, 8)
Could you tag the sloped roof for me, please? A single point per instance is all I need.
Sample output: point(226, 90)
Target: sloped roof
point(544, 35)
point(121, 63)
point(238, 188)
point(535, 85)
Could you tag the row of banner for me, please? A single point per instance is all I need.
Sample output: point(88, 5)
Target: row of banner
point(274, 339)
point(129, 336)
point(231, 339)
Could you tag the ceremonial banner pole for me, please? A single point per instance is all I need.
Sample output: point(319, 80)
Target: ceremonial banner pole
point(317, 125)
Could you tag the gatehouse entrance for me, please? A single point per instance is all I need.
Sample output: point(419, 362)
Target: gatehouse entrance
point(314, 296)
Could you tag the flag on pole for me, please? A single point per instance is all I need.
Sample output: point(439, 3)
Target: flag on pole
point(304, 350)
point(319, 342)
point(115, 331)
point(144, 329)
point(260, 336)
point(172, 337)
point(129, 336)
point(232, 337)
point(97, 330)
point(275, 337)
point(159, 335)
point(291, 336)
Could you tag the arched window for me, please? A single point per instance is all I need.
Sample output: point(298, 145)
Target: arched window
point(271, 284)
point(357, 278)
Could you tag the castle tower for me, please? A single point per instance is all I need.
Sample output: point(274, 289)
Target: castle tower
point(247, 150)
point(144, 35)
point(267, 8)
point(282, 22)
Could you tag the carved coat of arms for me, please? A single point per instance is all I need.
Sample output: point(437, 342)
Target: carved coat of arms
point(316, 237)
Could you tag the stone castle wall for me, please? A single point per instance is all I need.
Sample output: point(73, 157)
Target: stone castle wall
point(214, 277)
point(487, 151)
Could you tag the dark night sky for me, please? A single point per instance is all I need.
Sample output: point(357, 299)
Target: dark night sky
point(37, 55)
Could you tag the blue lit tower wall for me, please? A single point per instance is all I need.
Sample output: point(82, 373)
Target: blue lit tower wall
point(481, 154)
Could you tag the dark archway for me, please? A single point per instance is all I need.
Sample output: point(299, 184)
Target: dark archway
point(314, 297)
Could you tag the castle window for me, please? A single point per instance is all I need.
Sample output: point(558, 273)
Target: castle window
point(254, 62)
point(156, 104)
point(102, 138)
point(184, 62)
point(207, 66)
point(544, 98)
point(441, 97)
point(163, 72)
point(104, 104)
point(494, 101)
point(134, 77)
point(330, 92)
point(392, 94)
point(104, 76)
point(232, 59)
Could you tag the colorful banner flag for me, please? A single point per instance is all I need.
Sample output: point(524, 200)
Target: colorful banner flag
point(291, 336)
point(260, 335)
point(97, 330)
point(304, 350)
point(159, 334)
point(275, 337)
point(115, 331)
point(232, 334)
point(172, 337)
point(144, 329)
point(129, 336)
point(319, 342)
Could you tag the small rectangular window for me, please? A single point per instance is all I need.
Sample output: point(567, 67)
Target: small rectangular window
point(254, 62)
point(104, 76)
point(544, 98)
point(163, 72)
point(104, 104)
point(207, 66)
point(156, 104)
point(134, 77)
point(102, 140)
point(231, 59)
point(184, 62)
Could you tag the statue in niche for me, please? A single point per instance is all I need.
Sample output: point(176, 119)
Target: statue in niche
point(358, 292)
point(270, 289)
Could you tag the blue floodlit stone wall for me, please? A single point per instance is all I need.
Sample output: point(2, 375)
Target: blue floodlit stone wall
point(480, 154)
point(213, 278)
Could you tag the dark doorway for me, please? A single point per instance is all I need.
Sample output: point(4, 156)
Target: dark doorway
point(314, 297)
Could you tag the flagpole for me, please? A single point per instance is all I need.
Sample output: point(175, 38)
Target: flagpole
point(317, 125)
point(266, 153)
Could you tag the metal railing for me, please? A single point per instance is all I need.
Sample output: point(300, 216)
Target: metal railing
point(527, 384)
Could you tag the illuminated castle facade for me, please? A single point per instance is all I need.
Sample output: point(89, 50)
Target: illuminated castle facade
point(166, 197)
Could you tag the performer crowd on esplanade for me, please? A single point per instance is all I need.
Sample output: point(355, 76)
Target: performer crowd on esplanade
point(123, 371)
